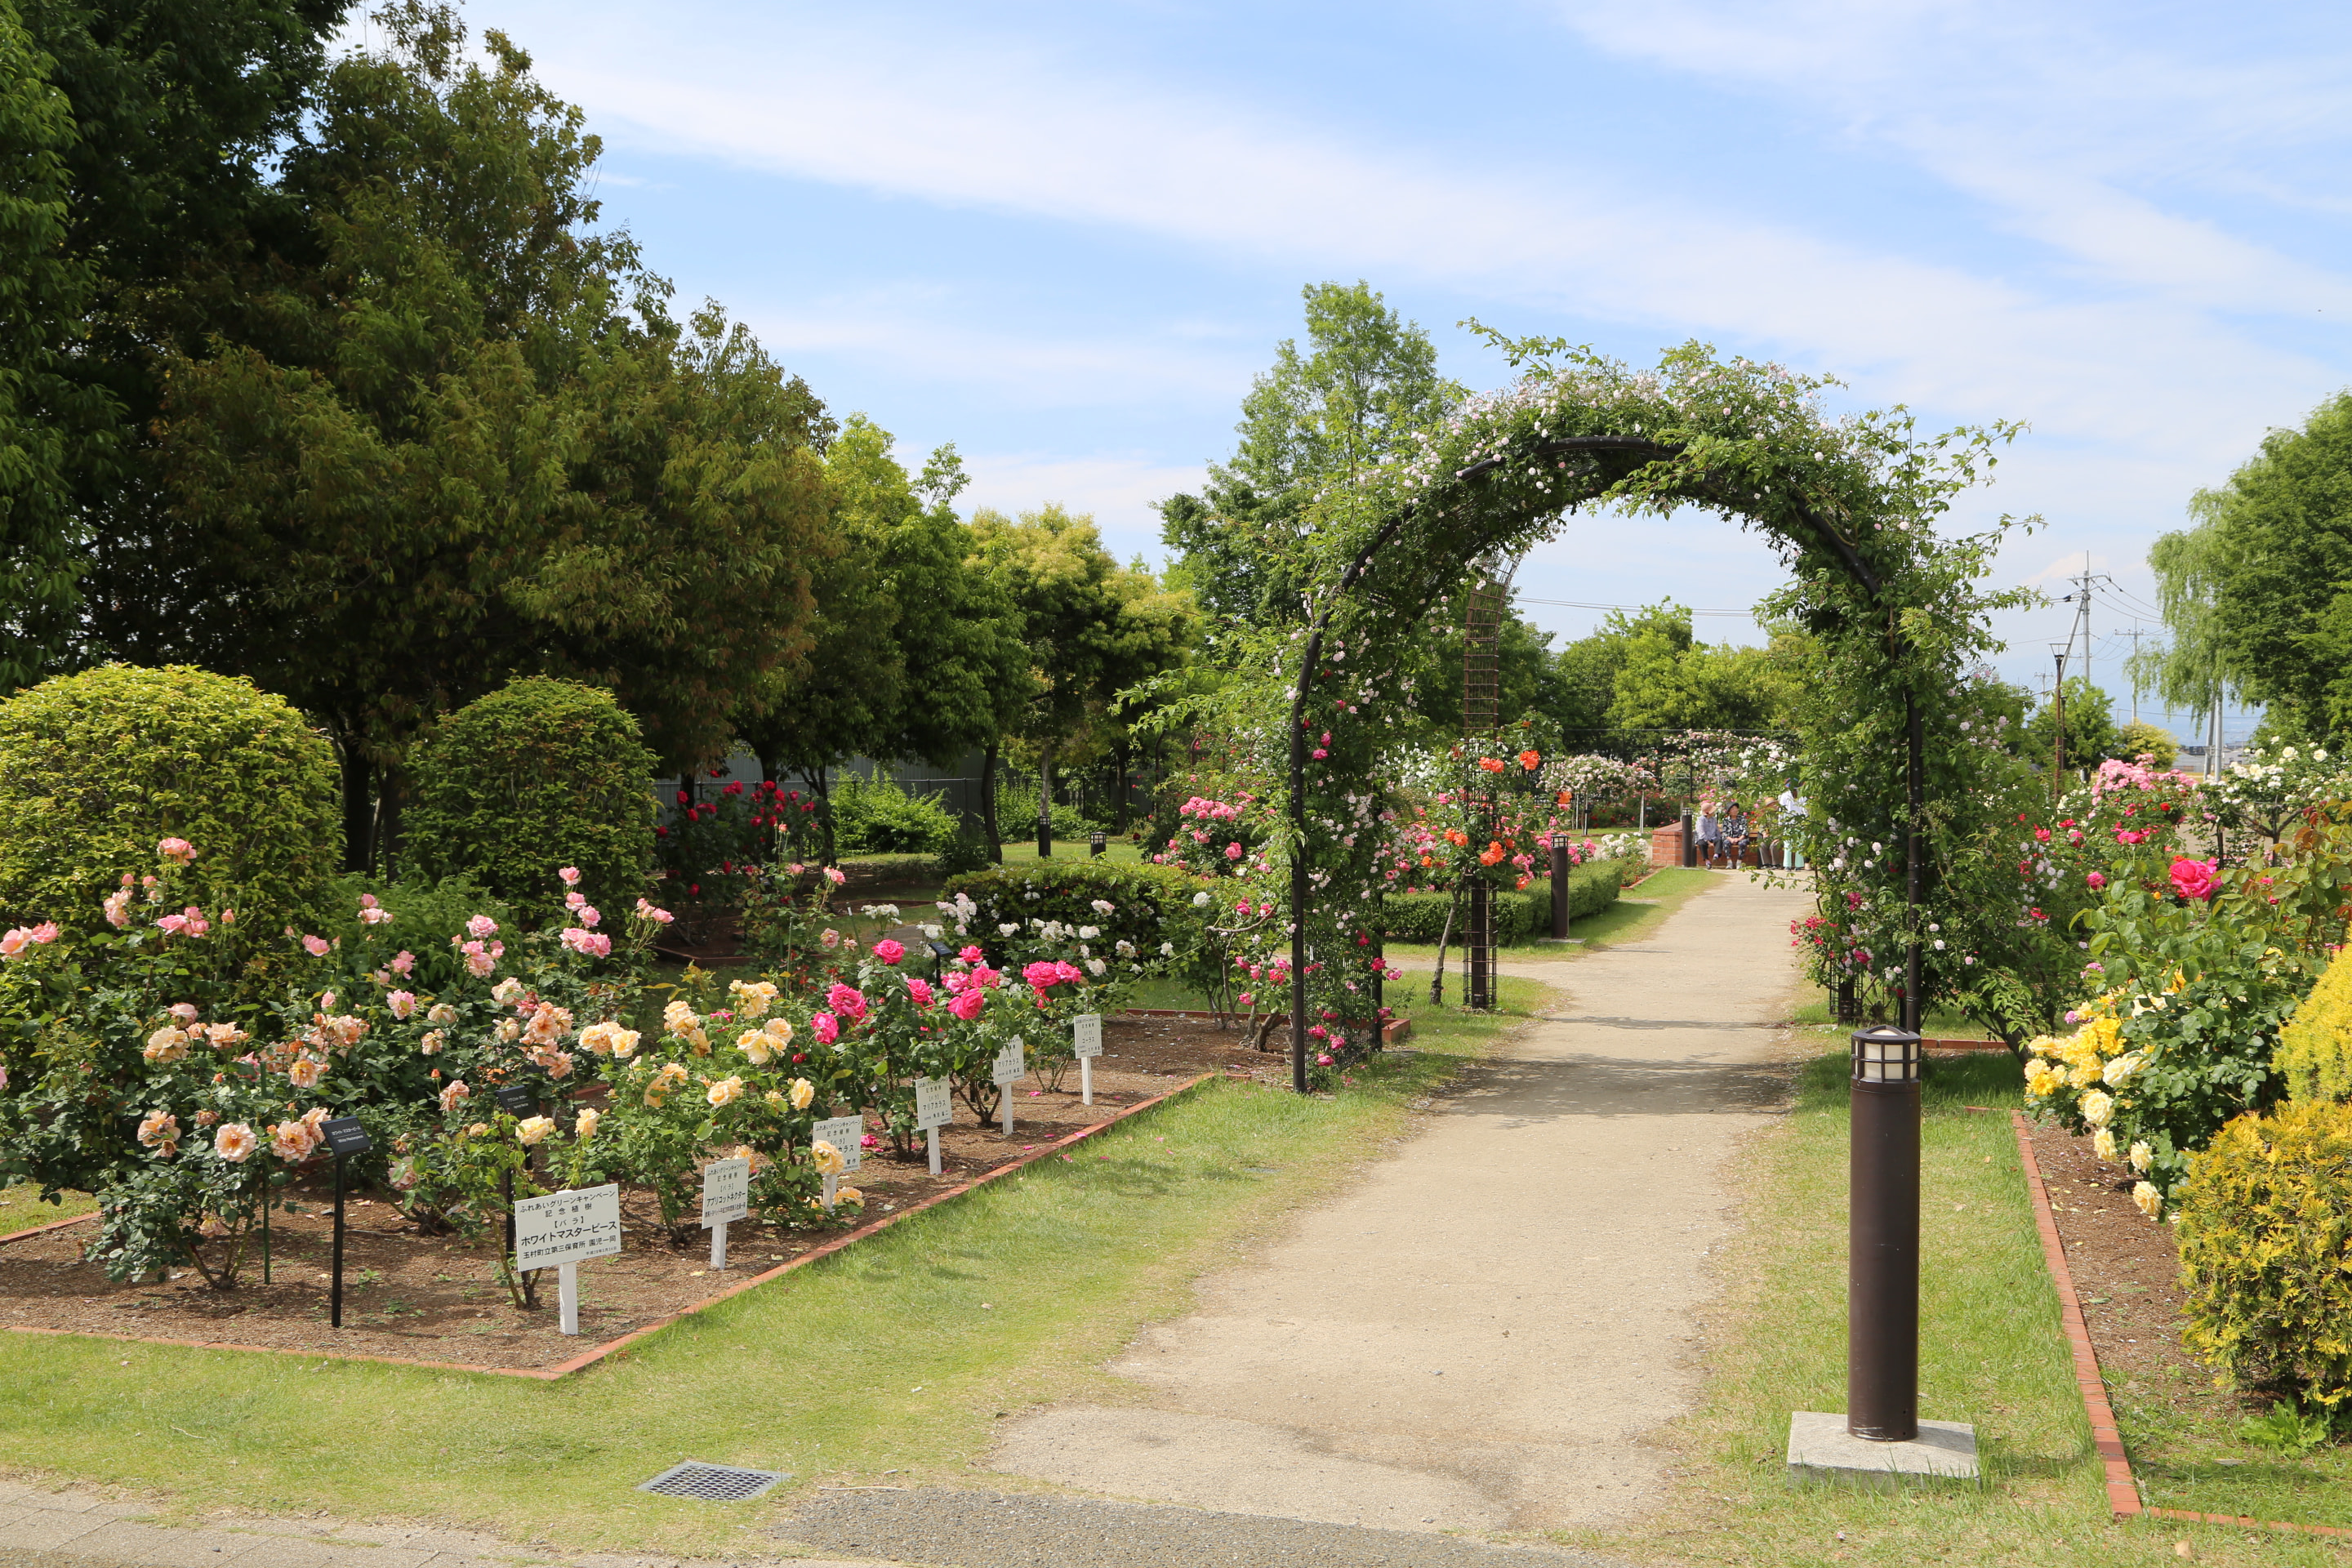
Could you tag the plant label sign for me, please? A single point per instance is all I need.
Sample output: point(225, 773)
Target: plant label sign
point(567, 1226)
point(934, 1106)
point(517, 1100)
point(725, 1192)
point(846, 1133)
point(1085, 1035)
point(1010, 1067)
point(345, 1136)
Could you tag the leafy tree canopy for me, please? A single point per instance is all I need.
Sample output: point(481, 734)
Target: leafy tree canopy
point(1346, 402)
point(1648, 671)
point(2092, 736)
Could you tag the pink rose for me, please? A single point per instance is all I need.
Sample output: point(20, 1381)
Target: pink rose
point(404, 962)
point(968, 1003)
point(2096, 881)
point(316, 946)
point(481, 926)
point(845, 1000)
point(402, 1002)
point(570, 875)
point(825, 1028)
point(2129, 834)
point(889, 951)
point(2193, 879)
point(971, 955)
point(179, 851)
point(920, 990)
point(646, 912)
point(1232, 851)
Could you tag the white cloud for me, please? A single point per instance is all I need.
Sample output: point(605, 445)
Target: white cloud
point(1118, 490)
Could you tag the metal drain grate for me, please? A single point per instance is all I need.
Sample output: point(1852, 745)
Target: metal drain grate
point(712, 1483)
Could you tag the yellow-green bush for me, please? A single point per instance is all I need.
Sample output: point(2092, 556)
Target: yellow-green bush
point(2266, 1252)
point(2315, 1049)
point(96, 768)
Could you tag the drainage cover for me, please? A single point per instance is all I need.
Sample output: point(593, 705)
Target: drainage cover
point(713, 1483)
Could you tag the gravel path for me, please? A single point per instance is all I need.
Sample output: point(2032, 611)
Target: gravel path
point(1484, 1333)
point(986, 1530)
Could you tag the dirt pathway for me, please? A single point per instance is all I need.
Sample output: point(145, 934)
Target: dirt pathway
point(1424, 1353)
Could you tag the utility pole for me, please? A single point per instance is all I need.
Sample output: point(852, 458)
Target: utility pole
point(2135, 633)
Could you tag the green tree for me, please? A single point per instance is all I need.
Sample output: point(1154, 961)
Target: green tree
point(45, 420)
point(2092, 736)
point(1648, 671)
point(917, 652)
point(2140, 738)
point(1092, 628)
point(2258, 594)
point(470, 442)
point(1366, 380)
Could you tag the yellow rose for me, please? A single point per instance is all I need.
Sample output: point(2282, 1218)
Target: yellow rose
point(726, 1091)
point(847, 1195)
point(826, 1158)
point(778, 1030)
point(2141, 1157)
point(2150, 1201)
point(2096, 1107)
point(477, 1129)
point(533, 1130)
point(2104, 1144)
point(585, 1126)
point(801, 1092)
point(754, 1044)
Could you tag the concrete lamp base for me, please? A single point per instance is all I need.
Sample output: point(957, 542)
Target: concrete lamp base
point(1821, 1449)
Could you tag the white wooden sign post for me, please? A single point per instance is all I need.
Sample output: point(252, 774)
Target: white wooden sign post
point(1085, 1035)
point(562, 1228)
point(934, 1108)
point(1010, 1069)
point(726, 1196)
point(846, 1133)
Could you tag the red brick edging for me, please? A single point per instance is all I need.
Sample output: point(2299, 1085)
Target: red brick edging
point(614, 1347)
point(2123, 1492)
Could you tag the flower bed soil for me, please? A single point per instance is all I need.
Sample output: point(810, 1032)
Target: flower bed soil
point(2127, 1276)
point(413, 1296)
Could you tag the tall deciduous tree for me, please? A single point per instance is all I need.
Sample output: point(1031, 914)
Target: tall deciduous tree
point(1093, 628)
point(470, 442)
point(916, 651)
point(2258, 594)
point(48, 421)
point(1348, 399)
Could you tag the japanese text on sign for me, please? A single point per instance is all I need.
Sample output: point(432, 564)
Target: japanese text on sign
point(1010, 1068)
point(725, 1192)
point(934, 1105)
point(846, 1133)
point(1086, 1034)
point(566, 1227)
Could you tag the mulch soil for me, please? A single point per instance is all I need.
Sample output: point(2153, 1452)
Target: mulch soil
point(416, 1297)
point(2127, 1276)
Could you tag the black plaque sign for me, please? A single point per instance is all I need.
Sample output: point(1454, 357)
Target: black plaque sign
point(517, 1099)
point(345, 1136)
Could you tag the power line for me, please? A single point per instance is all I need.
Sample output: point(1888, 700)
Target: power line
point(1580, 605)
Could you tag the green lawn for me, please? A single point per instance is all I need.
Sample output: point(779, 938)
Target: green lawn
point(1638, 912)
point(897, 1355)
point(21, 1207)
point(1992, 1354)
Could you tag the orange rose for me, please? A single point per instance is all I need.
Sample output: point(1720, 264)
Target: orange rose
point(1530, 759)
point(1492, 764)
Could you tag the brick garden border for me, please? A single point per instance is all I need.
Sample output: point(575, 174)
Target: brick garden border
point(614, 1347)
point(2124, 1500)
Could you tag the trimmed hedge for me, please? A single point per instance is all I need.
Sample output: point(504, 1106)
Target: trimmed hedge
point(1519, 916)
point(2315, 1049)
point(1153, 904)
point(95, 768)
point(538, 775)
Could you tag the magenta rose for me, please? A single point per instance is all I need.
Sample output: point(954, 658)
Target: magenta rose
point(889, 951)
point(2193, 879)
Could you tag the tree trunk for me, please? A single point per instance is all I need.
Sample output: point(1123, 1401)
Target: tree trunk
point(1044, 803)
point(819, 783)
point(359, 809)
point(391, 793)
point(988, 805)
point(1119, 757)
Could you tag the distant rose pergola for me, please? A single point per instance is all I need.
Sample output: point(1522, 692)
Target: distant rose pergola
point(1849, 501)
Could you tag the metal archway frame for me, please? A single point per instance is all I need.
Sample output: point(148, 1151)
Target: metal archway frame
point(1915, 740)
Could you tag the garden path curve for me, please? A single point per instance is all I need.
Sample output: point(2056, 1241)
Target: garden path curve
point(1483, 1331)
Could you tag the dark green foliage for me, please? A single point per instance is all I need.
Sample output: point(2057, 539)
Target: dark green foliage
point(2092, 735)
point(876, 817)
point(541, 774)
point(424, 916)
point(1519, 916)
point(96, 768)
point(1151, 904)
point(967, 851)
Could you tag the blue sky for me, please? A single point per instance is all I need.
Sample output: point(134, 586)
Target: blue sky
point(1066, 236)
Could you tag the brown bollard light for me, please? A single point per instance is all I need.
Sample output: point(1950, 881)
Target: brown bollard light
point(1882, 1367)
point(1559, 911)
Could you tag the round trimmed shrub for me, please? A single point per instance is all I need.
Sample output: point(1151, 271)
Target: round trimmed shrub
point(2315, 1049)
point(540, 774)
point(96, 768)
point(2267, 1253)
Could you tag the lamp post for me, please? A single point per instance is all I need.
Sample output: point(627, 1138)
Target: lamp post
point(2058, 651)
point(1882, 1370)
point(1559, 910)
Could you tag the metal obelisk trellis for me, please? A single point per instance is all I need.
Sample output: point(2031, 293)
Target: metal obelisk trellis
point(1482, 714)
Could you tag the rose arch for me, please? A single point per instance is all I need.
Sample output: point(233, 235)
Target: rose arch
point(1850, 502)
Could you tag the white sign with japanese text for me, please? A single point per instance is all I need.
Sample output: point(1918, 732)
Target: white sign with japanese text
point(934, 1105)
point(1010, 1067)
point(725, 1192)
point(1085, 1035)
point(846, 1133)
point(567, 1226)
